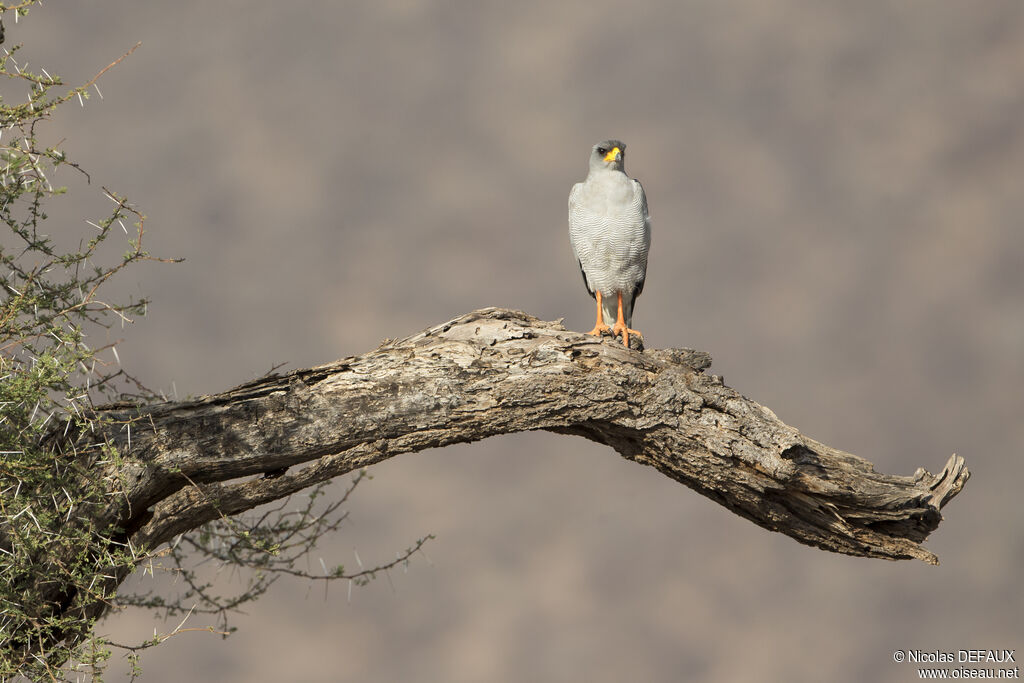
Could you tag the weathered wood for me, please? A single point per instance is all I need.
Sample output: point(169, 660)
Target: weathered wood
point(493, 372)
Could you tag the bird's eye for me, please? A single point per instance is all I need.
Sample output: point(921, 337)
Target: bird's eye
point(602, 151)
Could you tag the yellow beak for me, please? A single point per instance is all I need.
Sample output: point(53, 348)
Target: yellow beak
point(613, 155)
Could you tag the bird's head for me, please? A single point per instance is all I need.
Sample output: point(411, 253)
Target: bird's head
point(610, 154)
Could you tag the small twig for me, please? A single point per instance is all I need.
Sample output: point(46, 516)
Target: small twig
point(110, 66)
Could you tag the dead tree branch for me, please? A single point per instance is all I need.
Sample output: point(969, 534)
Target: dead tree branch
point(493, 372)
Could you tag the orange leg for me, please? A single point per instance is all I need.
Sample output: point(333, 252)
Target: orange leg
point(599, 326)
point(620, 326)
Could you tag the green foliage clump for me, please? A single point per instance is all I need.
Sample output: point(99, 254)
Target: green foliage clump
point(62, 557)
point(49, 379)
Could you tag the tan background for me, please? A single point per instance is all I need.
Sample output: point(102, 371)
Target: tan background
point(836, 197)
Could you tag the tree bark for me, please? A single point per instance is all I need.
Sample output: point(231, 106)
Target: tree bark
point(497, 371)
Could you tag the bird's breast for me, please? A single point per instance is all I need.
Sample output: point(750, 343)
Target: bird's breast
point(610, 195)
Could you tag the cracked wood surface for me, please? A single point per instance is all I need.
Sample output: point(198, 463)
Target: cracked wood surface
point(496, 371)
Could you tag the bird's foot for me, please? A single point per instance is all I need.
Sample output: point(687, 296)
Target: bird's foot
point(599, 330)
point(621, 328)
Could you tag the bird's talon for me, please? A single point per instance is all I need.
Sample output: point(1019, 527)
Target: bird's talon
point(621, 329)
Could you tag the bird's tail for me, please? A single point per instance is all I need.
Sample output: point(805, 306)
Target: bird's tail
point(610, 306)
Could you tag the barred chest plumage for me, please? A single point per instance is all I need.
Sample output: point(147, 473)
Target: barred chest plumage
point(609, 232)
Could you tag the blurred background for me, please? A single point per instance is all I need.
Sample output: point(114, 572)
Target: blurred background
point(836, 198)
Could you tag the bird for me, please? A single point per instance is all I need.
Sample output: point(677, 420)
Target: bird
point(610, 233)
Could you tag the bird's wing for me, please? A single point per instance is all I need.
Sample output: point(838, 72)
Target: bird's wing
point(574, 199)
point(647, 236)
